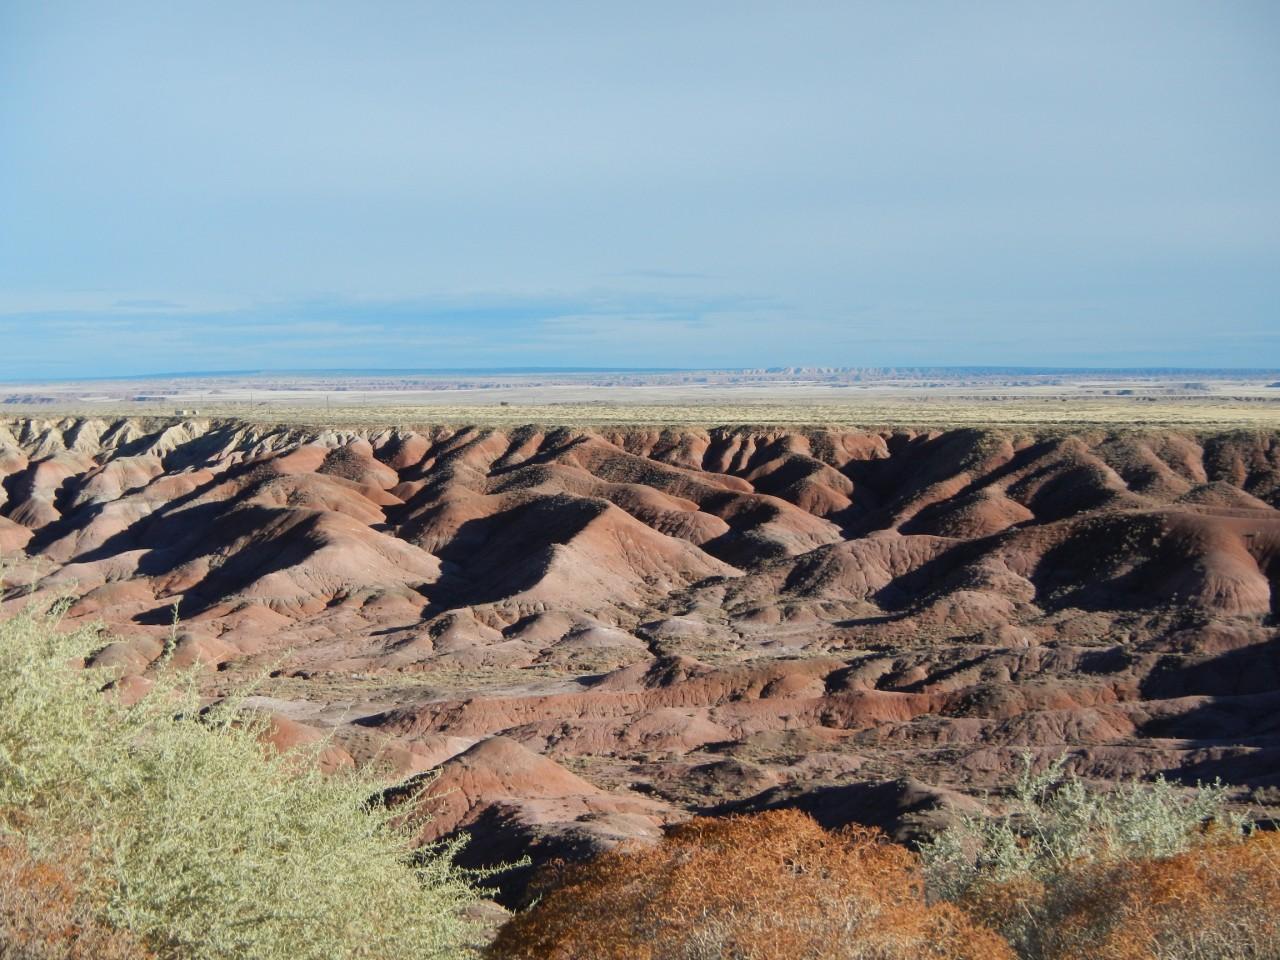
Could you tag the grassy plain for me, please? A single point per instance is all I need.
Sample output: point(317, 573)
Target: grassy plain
point(687, 399)
point(1210, 413)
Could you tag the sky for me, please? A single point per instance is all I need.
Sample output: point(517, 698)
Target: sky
point(245, 185)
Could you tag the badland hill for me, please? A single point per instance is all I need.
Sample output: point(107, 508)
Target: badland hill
point(584, 635)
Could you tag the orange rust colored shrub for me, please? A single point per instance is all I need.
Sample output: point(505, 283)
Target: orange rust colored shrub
point(1219, 901)
point(45, 916)
point(770, 887)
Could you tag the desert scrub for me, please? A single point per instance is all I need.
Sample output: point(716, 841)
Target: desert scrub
point(1142, 872)
point(1057, 821)
point(1217, 901)
point(194, 837)
point(773, 886)
point(46, 915)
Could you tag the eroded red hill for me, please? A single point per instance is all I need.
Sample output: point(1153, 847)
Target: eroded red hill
point(587, 635)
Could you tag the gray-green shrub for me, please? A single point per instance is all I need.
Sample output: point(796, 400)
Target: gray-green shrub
point(1057, 821)
point(197, 838)
point(1034, 874)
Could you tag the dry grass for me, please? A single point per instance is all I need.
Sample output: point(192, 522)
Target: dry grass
point(1145, 871)
point(1220, 901)
point(771, 887)
point(1046, 412)
point(777, 887)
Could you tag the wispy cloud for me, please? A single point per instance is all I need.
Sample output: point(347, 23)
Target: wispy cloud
point(663, 275)
point(145, 304)
point(144, 335)
point(593, 328)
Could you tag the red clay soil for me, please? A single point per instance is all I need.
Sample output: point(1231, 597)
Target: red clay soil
point(587, 635)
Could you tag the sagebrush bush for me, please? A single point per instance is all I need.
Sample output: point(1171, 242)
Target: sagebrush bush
point(45, 914)
point(1145, 871)
point(1057, 820)
point(770, 887)
point(1141, 872)
point(194, 837)
point(1216, 901)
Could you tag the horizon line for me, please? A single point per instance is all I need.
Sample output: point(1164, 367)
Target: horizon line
point(536, 370)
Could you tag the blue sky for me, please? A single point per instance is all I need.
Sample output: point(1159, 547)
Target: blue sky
point(286, 185)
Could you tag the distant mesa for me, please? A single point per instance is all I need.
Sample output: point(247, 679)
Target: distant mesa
point(30, 399)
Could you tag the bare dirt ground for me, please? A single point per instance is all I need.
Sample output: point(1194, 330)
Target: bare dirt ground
point(588, 628)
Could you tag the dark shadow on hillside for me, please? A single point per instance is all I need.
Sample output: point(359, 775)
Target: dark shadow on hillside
point(281, 538)
point(1235, 729)
point(491, 558)
point(905, 809)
